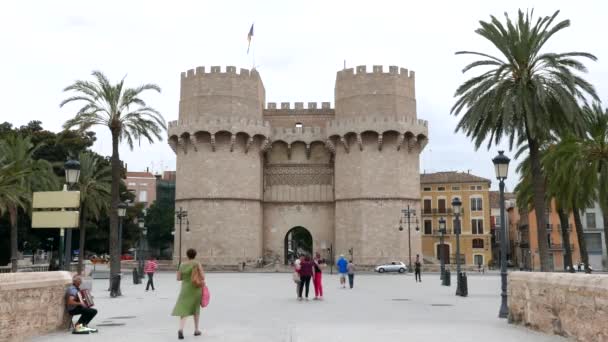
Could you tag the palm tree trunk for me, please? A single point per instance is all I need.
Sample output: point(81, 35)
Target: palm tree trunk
point(538, 188)
point(563, 220)
point(582, 244)
point(82, 241)
point(116, 170)
point(12, 212)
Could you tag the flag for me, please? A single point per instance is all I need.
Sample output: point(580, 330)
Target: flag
point(249, 35)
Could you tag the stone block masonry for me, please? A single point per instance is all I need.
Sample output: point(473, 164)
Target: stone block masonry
point(32, 303)
point(567, 304)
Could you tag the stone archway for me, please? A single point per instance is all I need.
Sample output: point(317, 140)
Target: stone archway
point(298, 241)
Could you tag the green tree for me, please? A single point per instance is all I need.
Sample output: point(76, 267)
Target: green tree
point(27, 174)
point(160, 220)
point(525, 94)
point(94, 185)
point(127, 116)
point(585, 158)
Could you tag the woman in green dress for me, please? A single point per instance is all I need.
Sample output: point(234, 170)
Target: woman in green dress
point(189, 300)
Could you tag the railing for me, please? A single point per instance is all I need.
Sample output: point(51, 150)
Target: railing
point(32, 268)
point(559, 247)
point(438, 232)
point(436, 211)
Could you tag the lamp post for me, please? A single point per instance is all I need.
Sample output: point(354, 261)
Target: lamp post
point(140, 254)
point(408, 214)
point(122, 212)
point(456, 207)
point(441, 248)
point(501, 166)
point(182, 214)
point(72, 173)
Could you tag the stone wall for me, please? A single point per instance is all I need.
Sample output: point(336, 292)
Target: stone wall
point(572, 305)
point(32, 303)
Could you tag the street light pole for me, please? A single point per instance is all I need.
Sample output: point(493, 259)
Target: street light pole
point(441, 247)
point(456, 206)
point(408, 214)
point(181, 214)
point(501, 166)
point(72, 173)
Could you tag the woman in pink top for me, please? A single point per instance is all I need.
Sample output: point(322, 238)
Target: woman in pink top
point(149, 269)
point(317, 280)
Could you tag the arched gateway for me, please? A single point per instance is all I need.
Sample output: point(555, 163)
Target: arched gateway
point(298, 241)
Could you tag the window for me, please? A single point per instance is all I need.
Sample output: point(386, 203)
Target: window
point(428, 227)
point(478, 259)
point(441, 188)
point(426, 188)
point(143, 196)
point(476, 204)
point(472, 187)
point(477, 243)
point(591, 220)
point(477, 226)
point(299, 125)
point(479, 187)
point(455, 188)
point(427, 205)
point(441, 205)
point(594, 242)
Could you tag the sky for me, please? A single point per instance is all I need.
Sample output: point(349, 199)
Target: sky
point(298, 47)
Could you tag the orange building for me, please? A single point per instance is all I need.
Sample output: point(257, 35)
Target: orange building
point(526, 239)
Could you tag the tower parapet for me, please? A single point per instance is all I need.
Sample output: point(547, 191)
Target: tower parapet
point(217, 93)
point(359, 93)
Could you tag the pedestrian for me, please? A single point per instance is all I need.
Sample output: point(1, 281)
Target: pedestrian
point(342, 265)
point(417, 271)
point(149, 269)
point(350, 269)
point(306, 273)
point(296, 276)
point(190, 295)
point(318, 280)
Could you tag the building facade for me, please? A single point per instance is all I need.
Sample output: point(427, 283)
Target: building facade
point(267, 181)
point(437, 192)
point(593, 229)
point(528, 236)
point(143, 186)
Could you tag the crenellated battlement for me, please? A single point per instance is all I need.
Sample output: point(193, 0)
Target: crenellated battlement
point(229, 71)
point(361, 71)
point(214, 125)
point(298, 105)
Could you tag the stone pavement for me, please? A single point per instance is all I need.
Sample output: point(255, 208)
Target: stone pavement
point(263, 307)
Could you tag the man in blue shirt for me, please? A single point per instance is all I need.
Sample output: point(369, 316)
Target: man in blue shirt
point(342, 265)
point(76, 307)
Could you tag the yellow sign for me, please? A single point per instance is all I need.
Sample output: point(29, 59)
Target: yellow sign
point(55, 219)
point(56, 199)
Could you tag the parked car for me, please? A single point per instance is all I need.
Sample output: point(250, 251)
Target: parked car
point(395, 266)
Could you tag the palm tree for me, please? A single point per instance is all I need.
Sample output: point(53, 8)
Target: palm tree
point(22, 174)
point(586, 160)
point(127, 116)
point(94, 184)
point(525, 95)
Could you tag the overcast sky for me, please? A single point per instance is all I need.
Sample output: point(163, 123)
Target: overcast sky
point(298, 47)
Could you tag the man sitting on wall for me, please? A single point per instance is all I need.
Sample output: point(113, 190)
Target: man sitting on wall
point(76, 306)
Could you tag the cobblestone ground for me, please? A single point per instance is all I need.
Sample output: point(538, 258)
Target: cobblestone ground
point(263, 307)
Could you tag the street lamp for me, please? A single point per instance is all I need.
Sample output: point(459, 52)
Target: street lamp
point(182, 214)
point(140, 254)
point(72, 173)
point(408, 215)
point(456, 208)
point(121, 209)
point(441, 248)
point(501, 166)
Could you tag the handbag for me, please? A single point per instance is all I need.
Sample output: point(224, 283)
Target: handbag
point(206, 297)
point(197, 277)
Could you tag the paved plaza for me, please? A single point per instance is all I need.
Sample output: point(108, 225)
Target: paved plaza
point(263, 307)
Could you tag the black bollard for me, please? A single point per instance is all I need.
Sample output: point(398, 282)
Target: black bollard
point(464, 288)
point(447, 278)
point(136, 278)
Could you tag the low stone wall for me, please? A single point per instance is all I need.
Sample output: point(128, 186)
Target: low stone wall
point(32, 303)
point(566, 304)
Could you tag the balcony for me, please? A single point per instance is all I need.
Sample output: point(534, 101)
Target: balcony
point(436, 211)
point(447, 232)
point(559, 247)
point(569, 229)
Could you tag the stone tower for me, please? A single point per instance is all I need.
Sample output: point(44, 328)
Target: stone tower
point(268, 181)
point(217, 140)
point(378, 140)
